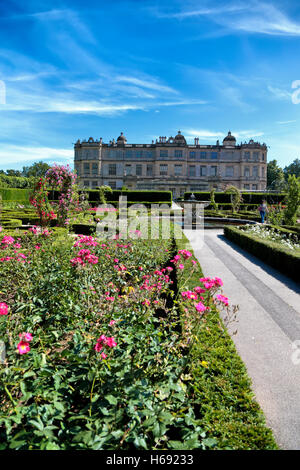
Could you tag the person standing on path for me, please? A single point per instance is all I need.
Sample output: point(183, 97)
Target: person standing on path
point(262, 210)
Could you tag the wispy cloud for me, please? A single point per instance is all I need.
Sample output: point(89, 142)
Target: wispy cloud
point(286, 122)
point(201, 12)
point(151, 84)
point(206, 134)
point(280, 93)
point(253, 17)
point(16, 154)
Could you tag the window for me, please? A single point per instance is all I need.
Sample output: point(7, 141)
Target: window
point(112, 184)
point(255, 171)
point(112, 169)
point(139, 154)
point(128, 169)
point(254, 186)
point(95, 168)
point(213, 171)
point(247, 155)
point(86, 184)
point(214, 155)
point(247, 172)
point(128, 154)
point(202, 154)
point(193, 155)
point(229, 171)
point(149, 170)
point(263, 172)
point(94, 184)
point(139, 170)
point(177, 170)
point(246, 186)
point(178, 153)
point(192, 170)
point(203, 171)
point(86, 168)
point(164, 153)
point(256, 156)
point(181, 192)
point(163, 170)
point(263, 157)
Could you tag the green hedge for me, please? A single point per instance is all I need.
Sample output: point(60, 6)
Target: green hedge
point(279, 258)
point(10, 222)
point(113, 197)
point(15, 194)
point(222, 391)
point(248, 197)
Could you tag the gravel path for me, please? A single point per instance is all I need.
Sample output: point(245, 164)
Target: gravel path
point(268, 327)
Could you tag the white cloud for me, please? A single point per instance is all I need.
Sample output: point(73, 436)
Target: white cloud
point(10, 154)
point(286, 122)
point(279, 93)
point(151, 84)
point(213, 135)
point(254, 17)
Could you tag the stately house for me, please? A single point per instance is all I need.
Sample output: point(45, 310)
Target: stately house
point(171, 164)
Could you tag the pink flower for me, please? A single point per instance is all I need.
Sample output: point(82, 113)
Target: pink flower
point(26, 337)
point(222, 299)
point(98, 347)
point(3, 308)
point(23, 347)
point(199, 290)
point(112, 322)
point(181, 266)
point(110, 341)
point(103, 355)
point(200, 307)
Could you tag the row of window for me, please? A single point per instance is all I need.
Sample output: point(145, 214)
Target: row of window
point(164, 171)
point(164, 153)
point(113, 185)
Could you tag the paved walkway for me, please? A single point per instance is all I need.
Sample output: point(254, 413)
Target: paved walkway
point(268, 325)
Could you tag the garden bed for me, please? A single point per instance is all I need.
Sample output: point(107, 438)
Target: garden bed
point(279, 257)
point(114, 362)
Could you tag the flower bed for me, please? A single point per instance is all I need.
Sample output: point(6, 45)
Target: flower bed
point(278, 255)
point(98, 355)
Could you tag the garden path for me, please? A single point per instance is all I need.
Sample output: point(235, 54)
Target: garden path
point(268, 328)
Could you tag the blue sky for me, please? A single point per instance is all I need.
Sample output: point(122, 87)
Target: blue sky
point(75, 69)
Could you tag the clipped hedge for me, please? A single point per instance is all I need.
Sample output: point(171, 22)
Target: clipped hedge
point(113, 197)
point(10, 222)
point(248, 197)
point(15, 194)
point(278, 257)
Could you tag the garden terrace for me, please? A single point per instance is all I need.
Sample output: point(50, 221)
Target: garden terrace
point(112, 354)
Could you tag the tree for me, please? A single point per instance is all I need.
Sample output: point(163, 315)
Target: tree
point(38, 169)
point(13, 173)
point(275, 176)
point(293, 200)
point(292, 169)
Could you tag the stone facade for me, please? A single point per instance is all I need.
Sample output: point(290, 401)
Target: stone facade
point(171, 164)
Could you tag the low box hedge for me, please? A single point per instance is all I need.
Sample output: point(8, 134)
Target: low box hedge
point(10, 222)
point(278, 257)
point(15, 194)
point(248, 197)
